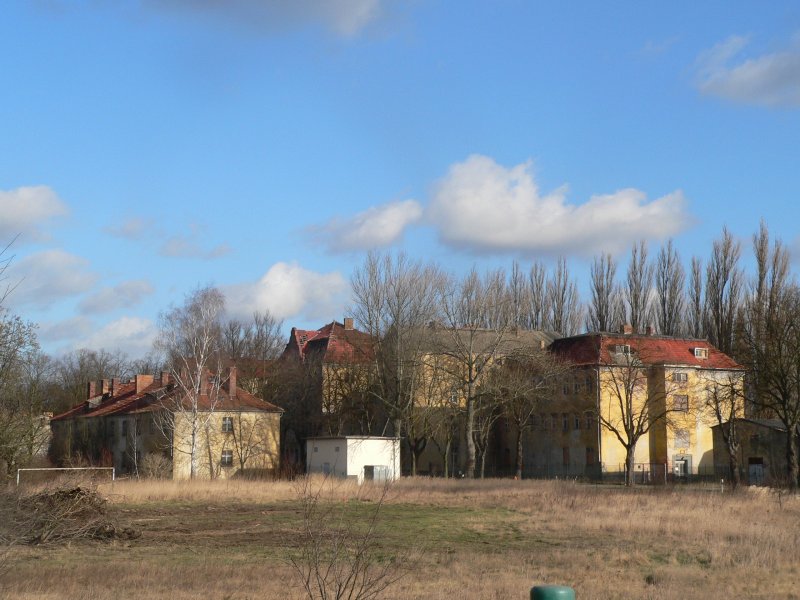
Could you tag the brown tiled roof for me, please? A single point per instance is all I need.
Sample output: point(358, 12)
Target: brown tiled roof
point(599, 348)
point(127, 401)
point(333, 343)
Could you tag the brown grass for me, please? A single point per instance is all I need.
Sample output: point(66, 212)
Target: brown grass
point(478, 539)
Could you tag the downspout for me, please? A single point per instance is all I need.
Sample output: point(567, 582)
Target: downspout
point(598, 425)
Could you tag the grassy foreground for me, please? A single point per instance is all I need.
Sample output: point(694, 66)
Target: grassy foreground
point(458, 539)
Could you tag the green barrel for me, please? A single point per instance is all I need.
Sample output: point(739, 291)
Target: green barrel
point(552, 592)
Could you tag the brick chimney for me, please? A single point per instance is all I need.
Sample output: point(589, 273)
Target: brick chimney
point(116, 382)
point(142, 381)
point(627, 329)
point(648, 330)
point(104, 386)
point(348, 323)
point(232, 382)
point(204, 383)
point(91, 390)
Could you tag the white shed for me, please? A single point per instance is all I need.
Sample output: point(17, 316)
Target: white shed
point(363, 457)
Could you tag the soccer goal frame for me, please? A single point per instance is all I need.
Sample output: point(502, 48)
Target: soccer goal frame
point(112, 469)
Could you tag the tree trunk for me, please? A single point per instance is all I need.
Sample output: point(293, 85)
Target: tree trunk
point(791, 458)
point(629, 466)
point(518, 472)
point(733, 461)
point(470, 466)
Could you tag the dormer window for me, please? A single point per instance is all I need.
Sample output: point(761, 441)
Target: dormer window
point(622, 349)
point(701, 352)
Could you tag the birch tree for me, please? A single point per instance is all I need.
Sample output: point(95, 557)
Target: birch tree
point(191, 338)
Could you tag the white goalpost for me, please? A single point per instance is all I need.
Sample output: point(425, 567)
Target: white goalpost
point(112, 469)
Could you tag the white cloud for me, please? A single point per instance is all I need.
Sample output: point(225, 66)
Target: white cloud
point(25, 210)
point(183, 247)
point(132, 335)
point(65, 330)
point(375, 227)
point(483, 206)
point(133, 228)
point(46, 277)
point(289, 291)
point(768, 80)
point(344, 17)
point(123, 295)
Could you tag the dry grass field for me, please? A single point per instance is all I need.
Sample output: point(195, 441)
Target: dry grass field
point(489, 539)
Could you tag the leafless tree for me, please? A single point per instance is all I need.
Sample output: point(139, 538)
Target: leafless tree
point(536, 316)
point(394, 300)
point(518, 297)
point(632, 406)
point(724, 400)
point(724, 281)
point(638, 288)
point(74, 369)
point(696, 312)
point(772, 336)
point(340, 556)
point(520, 383)
point(564, 310)
point(670, 280)
point(603, 313)
point(190, 337)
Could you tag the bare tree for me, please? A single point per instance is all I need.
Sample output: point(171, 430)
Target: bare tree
point(724, 400)
point(190, 337)
point(340, 555)
point(724, 281)
point(603, 311)
point(564, 313)
point(520, 383)
point(632, 407)
point(638, 288)
point(697, 308)
point(537, 297)
point(670, 280)
point(394, 300)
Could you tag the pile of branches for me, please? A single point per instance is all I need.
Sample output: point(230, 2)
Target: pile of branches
point(58, 515)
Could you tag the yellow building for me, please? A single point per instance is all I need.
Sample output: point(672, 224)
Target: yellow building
point(649, 389)
point(145, 426)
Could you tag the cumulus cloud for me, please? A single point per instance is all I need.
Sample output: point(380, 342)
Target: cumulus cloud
point(344, 17)
point(771, 79)
point(44, 278)
point(288, 290)
point(483, 206)
point(123, 295)
point(133, 228)
point(132, 335)
point(26, 210)
point(375, 227)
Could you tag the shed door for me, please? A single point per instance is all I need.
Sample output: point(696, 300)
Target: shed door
point(755, 470)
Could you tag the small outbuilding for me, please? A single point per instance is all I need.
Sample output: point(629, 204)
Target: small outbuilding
point(361, 457)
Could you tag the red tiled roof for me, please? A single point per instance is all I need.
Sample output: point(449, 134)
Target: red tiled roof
point(127, 401)
point(333, 342)
point(598, 348)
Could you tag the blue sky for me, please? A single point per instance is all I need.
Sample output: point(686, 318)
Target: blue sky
point(148, 147)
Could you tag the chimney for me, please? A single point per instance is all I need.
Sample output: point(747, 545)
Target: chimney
point(232, 381)
point(115, 385)
point(91, 390)
point(164, 378)
point(104, 386)
point(648, 330)
point(204, 383)
point(142, 381)
point(348, 323)
point(627, 329)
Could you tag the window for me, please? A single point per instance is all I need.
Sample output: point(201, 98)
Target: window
point(577, 421)
point(227, 424)
point(227, 458)
point(680, 402)
point(589, 420)
point(565, 421)
point(679, 377)
point(565, 389)
point(701, 352)
point(554, 420)
point(336, 449)
point(622, 349)
point(577, 387)
point(681, 438)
